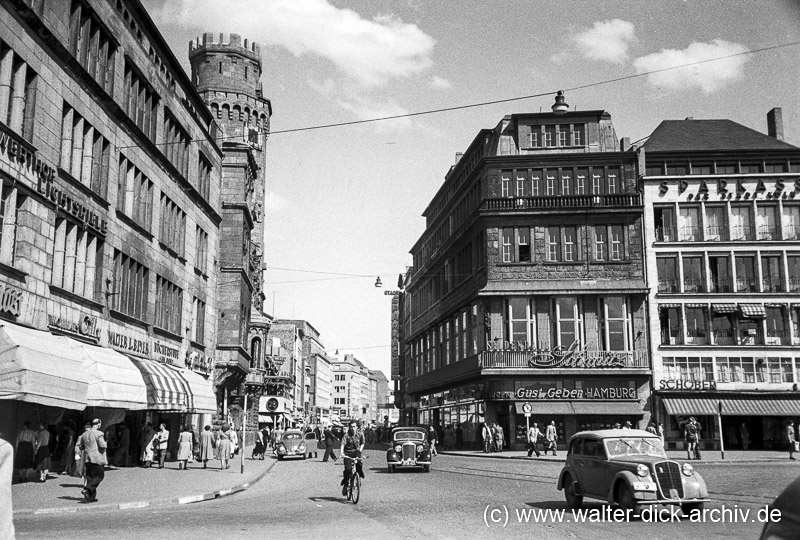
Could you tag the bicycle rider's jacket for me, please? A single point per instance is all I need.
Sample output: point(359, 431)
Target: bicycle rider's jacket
point(352, 443)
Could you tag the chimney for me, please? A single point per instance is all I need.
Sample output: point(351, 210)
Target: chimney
point(625, 144)
point(775, 123)
point(459, 155)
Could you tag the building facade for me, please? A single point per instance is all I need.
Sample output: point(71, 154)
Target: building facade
point(227, 74)
point(110, 221)
point(527, 293)
point(350, 389)
point(722, 230)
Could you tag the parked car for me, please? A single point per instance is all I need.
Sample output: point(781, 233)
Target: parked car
point(788, 504)
point(291, 445)
point(628, 467)
point(409, 448)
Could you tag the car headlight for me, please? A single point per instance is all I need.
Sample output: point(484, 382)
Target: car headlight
point(419, 448)
point(398, 448)
point(302, 447)
point(642, 470)
point(687, 469)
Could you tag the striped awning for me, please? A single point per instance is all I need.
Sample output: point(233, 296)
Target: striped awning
point(753, 311)
point(201, 396)
point(668, 306)
point(749, 406)
point(166, 389)
point(724, 308)
point(700, 306)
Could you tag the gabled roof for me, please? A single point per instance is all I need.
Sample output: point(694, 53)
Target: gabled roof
point(709, 135)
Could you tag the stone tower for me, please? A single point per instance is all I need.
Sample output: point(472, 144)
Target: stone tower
point(226, 73)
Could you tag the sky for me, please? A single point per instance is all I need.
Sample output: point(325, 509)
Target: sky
point(344, 204)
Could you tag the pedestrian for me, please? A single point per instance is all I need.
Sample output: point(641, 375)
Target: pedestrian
point(24, 455)
point(432, 440)
point(258, 448)
point(790, 437)
point(330, 444)
point(499, 437)
point(6, 475)
point(94, 446)
point(533, 439)
point(67, 447)
point(79, 457)
point(744, 433)
point(160, 443)
point(551, 435)
point(627, 425)
point(42, 458)
point(184, 447)
point(691, 433)
point(234, 441)
point(123, 450)
point(488, 437)
point(224, 446)
point(146, 443)
point(207, 446)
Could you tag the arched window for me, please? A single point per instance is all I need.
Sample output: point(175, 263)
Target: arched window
point(255, 353)
point(215, 110)
point(237, 113)
point(226, 112)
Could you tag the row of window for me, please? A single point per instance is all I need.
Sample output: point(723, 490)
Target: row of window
point(713, 273)
point(724, 324)
point(600, 243)
point(720, 167)
point(90, 44)
point(85, 153)
point(731, 369)
point(557, 135)
point(561, 181)
point(17, 92)
point(724, 222)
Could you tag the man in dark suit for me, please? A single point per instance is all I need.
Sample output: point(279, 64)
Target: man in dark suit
point(93, 444)
point(330, 444)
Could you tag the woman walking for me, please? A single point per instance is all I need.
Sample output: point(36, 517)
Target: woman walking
point(25, 451)
point(224, 446)
point(207, 446)
point(184, 447)
point(42, 459)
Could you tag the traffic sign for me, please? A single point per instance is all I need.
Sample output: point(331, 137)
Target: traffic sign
point(527, 408)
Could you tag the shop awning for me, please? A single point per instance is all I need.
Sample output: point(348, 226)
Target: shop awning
point(668, 306)
point(166, 389)
point(615, 408)
point(546, 407)
point(724, 308)
point(699, 306)
point(753, 311)
point(749, 406)
point(267, 418)
point(114, 381)
point(201, 392)
point(38, 367)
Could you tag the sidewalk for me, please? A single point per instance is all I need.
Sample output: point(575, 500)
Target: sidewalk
point(709, 456)
point(136, 487)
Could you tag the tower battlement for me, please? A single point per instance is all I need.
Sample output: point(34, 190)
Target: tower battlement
point(225, 43)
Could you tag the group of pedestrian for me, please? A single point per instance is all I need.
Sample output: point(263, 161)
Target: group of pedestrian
point(548, 439)
point(493, 437)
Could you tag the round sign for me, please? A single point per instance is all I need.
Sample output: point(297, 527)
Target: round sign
point(272, 404)
point(526, 407)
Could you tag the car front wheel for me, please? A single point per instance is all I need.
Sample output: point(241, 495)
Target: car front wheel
point(574, 500)
point(626, 500)
point(426, 468)
point(688, 508)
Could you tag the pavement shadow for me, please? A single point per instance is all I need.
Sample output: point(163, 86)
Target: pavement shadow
point(71, 485)
point(562, 505)
point(79, 499)
point(340, 500)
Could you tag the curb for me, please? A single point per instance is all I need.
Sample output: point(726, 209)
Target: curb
point(561, 460)
point(189, 499)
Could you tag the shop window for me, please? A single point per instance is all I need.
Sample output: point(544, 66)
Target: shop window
point(693, 368)
point(569, 322)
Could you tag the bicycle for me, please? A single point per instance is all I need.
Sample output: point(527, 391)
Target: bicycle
point(354, 486)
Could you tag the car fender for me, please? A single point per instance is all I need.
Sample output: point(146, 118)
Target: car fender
point(694, 487)
point(425, 455)
point(622, 476)
point(568, 470)
point(391, 455)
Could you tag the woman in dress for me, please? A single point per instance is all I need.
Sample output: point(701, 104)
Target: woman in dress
point(42, 459)
point(184, 446)
point(258, 449)
point(207, 446)
point(25, 451)
point(224, 446)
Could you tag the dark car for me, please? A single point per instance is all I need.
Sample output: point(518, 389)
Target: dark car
point(788, 524)
point(409, 448)
point(628, 467)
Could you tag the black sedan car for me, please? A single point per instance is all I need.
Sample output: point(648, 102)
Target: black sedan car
point(409, 448)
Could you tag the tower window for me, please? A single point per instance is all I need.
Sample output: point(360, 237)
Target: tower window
point(220, 67)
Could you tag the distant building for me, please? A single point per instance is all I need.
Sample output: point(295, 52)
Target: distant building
point(722, 232)
point(351, 388)
point(527, 292)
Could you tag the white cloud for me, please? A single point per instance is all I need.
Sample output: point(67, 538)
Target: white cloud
point(367, 109)
point(371, 52)
point(709, 76)
point(440, 83)
point(607, 41)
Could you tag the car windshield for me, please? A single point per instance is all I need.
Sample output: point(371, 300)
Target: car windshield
point(409, 435)
point(291, 436)
point(634, 446)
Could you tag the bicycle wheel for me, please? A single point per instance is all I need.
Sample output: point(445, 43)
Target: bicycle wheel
point(355, 488)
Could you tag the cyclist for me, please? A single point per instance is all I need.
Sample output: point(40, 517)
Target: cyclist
point(352, 445)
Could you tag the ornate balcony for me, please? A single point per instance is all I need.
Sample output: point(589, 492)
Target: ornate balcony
point(623, 200)
point(564, 359)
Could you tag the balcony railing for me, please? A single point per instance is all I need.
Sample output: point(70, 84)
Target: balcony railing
point(717, 234)
point(667, 286)
point(666, 234)
point(564, 359)
point(694, 285)
point(768, 233)
point(721, 285)
point(794, 284)
point(743, 233)
point(745, 285)
point(565, 201)
point(768, 285)
point(667, 339)
point(791, 233)
point(691, 234)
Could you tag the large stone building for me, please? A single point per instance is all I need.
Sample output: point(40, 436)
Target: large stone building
point(722, 232)
point(227, 74)
point(527, 293)
point(110, 221)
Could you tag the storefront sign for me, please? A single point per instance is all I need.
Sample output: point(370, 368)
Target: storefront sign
point(728, 187)
point(16, 151)
point(670, 384)
point(199, 362)
point(128, 344)
point(562, 357)
point(163, 352)
point(85, 327)
point(70, 205)
point(10, 299)
point(582, 390)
